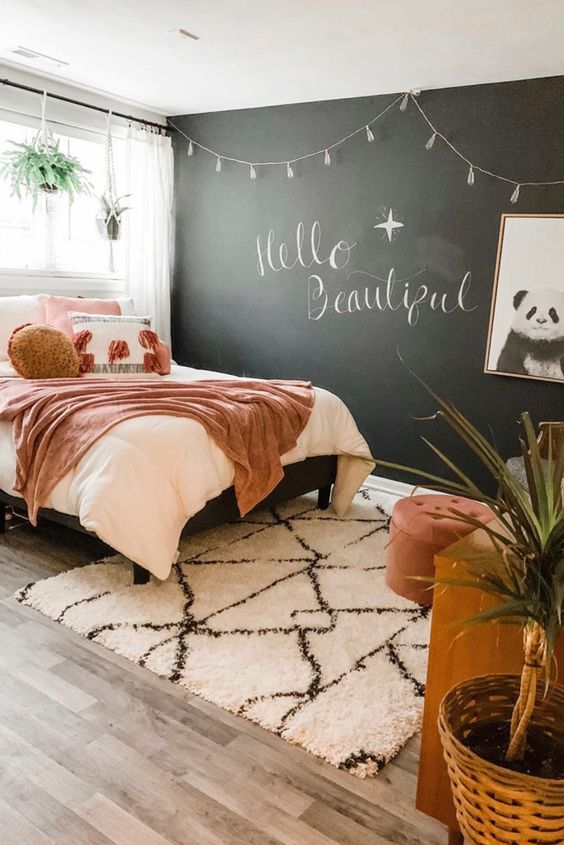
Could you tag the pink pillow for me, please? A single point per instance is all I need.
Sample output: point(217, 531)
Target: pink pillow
point(57, 309)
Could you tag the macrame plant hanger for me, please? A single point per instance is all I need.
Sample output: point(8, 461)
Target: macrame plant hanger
point(110, 189)
point(44, 140)
point(43, 137)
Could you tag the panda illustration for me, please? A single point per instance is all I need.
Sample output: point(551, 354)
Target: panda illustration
point(535, 343)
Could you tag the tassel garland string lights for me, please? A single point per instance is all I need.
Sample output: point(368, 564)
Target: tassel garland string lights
point(403, 100)
point(515, 194)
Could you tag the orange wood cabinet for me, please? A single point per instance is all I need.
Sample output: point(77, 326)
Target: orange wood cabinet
point(457, 653)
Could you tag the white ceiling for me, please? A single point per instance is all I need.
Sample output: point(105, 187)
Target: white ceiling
point(265, 52)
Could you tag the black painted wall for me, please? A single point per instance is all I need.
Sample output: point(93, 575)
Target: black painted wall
point(228, 317)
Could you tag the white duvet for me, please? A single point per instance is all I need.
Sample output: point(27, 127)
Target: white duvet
point(141, 482)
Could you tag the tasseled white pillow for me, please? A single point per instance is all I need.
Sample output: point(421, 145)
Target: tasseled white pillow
point(117, 346)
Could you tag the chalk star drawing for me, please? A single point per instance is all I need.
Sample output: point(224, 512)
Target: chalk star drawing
point(389, 225)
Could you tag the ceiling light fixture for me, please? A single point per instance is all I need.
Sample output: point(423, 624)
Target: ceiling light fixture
point(185, 33)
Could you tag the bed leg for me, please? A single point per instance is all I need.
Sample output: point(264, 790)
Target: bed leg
point(324, 497)
point(2, 518)
point(140, 574)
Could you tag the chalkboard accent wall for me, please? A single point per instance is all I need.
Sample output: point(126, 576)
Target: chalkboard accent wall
point(237, 309)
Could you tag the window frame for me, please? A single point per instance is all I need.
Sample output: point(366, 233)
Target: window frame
point(42, 280)
point(51, 280)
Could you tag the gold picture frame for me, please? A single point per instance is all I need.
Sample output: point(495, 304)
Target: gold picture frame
point(529, 274)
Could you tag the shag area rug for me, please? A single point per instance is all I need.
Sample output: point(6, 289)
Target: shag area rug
point(283, 618)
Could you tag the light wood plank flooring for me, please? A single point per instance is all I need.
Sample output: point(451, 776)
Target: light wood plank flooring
point(95, 750)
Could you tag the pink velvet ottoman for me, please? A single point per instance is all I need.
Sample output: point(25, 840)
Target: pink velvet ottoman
point(415, 539)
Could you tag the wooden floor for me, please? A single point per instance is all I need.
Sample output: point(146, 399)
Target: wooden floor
point(94, 749)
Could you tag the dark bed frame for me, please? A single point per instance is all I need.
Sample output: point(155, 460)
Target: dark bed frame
point(304, 477)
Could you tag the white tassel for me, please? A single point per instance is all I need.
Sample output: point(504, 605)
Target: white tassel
point(404, 102)
point(218, 165)
point(252, 172)
point(431, 142)
point(190, 149)
point(369, 134)
point(515, 194)
point(289, 171)
point(327, 159)
point(470, 179)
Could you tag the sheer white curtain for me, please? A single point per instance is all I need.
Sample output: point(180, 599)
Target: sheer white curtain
point(149, 225)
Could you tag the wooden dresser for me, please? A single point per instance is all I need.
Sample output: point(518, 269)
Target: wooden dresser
point(457, 653)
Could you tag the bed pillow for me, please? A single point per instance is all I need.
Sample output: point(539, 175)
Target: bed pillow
point(115, 345)
point(57, 309)
point(38, 351)
point(7, 371)
point(126, 306)
point(16, 311)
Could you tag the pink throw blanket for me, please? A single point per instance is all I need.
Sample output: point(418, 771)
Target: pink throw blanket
point(56, 421)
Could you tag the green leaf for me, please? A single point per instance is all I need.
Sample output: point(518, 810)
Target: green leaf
point(525, 568)
point(29, 166)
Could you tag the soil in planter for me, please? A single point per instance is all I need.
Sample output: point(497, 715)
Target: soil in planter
point(544, 754)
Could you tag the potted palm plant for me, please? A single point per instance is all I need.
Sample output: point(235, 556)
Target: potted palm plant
point(42, 167)
point(109, 221)
point(503, 736)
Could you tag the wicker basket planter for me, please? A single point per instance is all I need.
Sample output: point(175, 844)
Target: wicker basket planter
point(494, 804)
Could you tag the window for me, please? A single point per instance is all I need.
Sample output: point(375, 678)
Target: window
point(59, 237)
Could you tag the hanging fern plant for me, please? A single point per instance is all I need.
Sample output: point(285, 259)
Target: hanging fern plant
point(42, 167)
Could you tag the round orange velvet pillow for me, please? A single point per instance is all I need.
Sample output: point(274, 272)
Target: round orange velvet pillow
point(42, 352)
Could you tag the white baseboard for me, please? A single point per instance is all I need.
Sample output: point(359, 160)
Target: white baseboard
point(395, 488)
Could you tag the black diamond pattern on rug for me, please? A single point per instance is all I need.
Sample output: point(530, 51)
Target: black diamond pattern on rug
point(283, 618)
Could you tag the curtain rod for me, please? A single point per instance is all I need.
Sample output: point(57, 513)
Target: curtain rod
point(63, 99)
point(56, 121)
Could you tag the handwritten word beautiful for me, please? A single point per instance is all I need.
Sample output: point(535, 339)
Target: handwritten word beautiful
point(381, 294)
point(392, 297)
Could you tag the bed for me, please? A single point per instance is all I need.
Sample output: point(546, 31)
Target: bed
point(139, 496)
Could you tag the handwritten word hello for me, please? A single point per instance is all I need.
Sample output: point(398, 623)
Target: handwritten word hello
point(305, 255)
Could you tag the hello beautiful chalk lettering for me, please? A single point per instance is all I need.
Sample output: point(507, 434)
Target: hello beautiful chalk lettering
point(388, 294)
point(391, 298)
point(337, 258)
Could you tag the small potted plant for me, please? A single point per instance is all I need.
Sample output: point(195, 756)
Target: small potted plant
point(41, 167)
point(503, 736)
point(109, 221)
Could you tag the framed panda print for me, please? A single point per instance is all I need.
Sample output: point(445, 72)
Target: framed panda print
point(526, 333)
